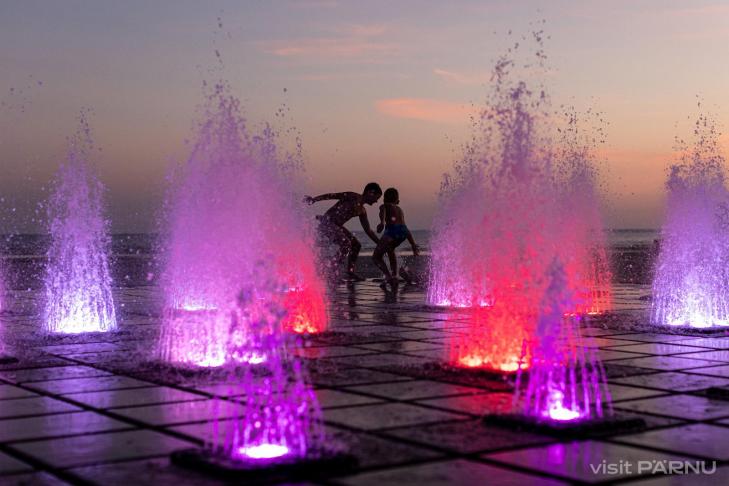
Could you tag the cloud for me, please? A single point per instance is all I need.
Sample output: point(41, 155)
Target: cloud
point(703, 10)
point(425, 109)
point(360, 42)
point(331, 48)
point(362, 30)
point(315, 3)
point(462, 78)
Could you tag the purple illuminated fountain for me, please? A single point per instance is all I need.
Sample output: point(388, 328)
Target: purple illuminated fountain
point(230, 206)
point(691, 284)
point(566, 381)
point(566, 387)
point(278, 431)
point(78, 281)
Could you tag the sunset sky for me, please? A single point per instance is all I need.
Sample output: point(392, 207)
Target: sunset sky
point(379, 90)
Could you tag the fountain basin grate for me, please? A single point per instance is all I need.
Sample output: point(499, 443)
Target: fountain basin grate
point(317, 464)
point(572, 429)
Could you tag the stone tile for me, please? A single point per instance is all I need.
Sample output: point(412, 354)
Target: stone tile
point(714, 355)
point(610, 354)
point(500, 402)
point(661, 348)
point(377, 452)
point(466, 437)
point(664, 363)
point(337, 398)
point(572, 460)
point(10, 391)
point(620, 392)
point(10, 465)
point(47, 426)
point(380, 360)
point(33, 479)
point(182, 412)
point(460, 472)
point(51, 373)
point(680, 406)
point(653, 337)
point(330, 351)
point(374, 417)
point(703, 440)
point(133, 396)
point(673, 381)
point(77, 385)
point(720, 371)
point(23, 407)
point(708, 342)
point(157, 472)
point(414, 390)
point(719, 477)
point(99, 448)
point(401, 346)
point(346, 377)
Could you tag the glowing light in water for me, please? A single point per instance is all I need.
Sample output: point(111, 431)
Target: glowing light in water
point(691, 284)
point(566, 381)
point(230, 206)
point(264, 451)
point(78, 281)
point(556, 409)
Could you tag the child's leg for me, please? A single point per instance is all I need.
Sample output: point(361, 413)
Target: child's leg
point(393, 261)
point(382, 247)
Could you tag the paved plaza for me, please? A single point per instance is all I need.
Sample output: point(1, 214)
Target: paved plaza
point(75, 410)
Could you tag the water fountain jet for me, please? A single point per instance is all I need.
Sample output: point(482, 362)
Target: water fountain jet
point(78, 280)
point(691, 283)
point(229, 206)
point(279, 432)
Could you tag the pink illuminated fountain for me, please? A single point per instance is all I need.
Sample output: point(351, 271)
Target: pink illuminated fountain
point(492, 236)
point(230, 206)
point(78, 281)
point(691, 284)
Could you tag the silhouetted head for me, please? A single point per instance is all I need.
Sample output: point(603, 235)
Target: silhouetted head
point(371, 193)
point(392, 196)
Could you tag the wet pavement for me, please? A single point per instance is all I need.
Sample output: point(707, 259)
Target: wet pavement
point(79, 409)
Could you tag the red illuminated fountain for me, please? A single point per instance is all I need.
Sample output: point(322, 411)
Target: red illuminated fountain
point(231, 205)
point(521, 195)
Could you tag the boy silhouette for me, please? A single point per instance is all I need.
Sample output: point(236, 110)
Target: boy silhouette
point(331, 223)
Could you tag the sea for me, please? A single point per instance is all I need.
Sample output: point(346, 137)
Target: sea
point(135, 259)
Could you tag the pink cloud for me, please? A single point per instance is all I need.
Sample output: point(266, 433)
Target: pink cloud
point(424, 109)
point(331, 48)
point(362, 30)
point(462, 78)
point(315, 3)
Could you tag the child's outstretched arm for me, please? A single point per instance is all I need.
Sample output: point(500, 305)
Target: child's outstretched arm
point(381, 226)
point(324, 197)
